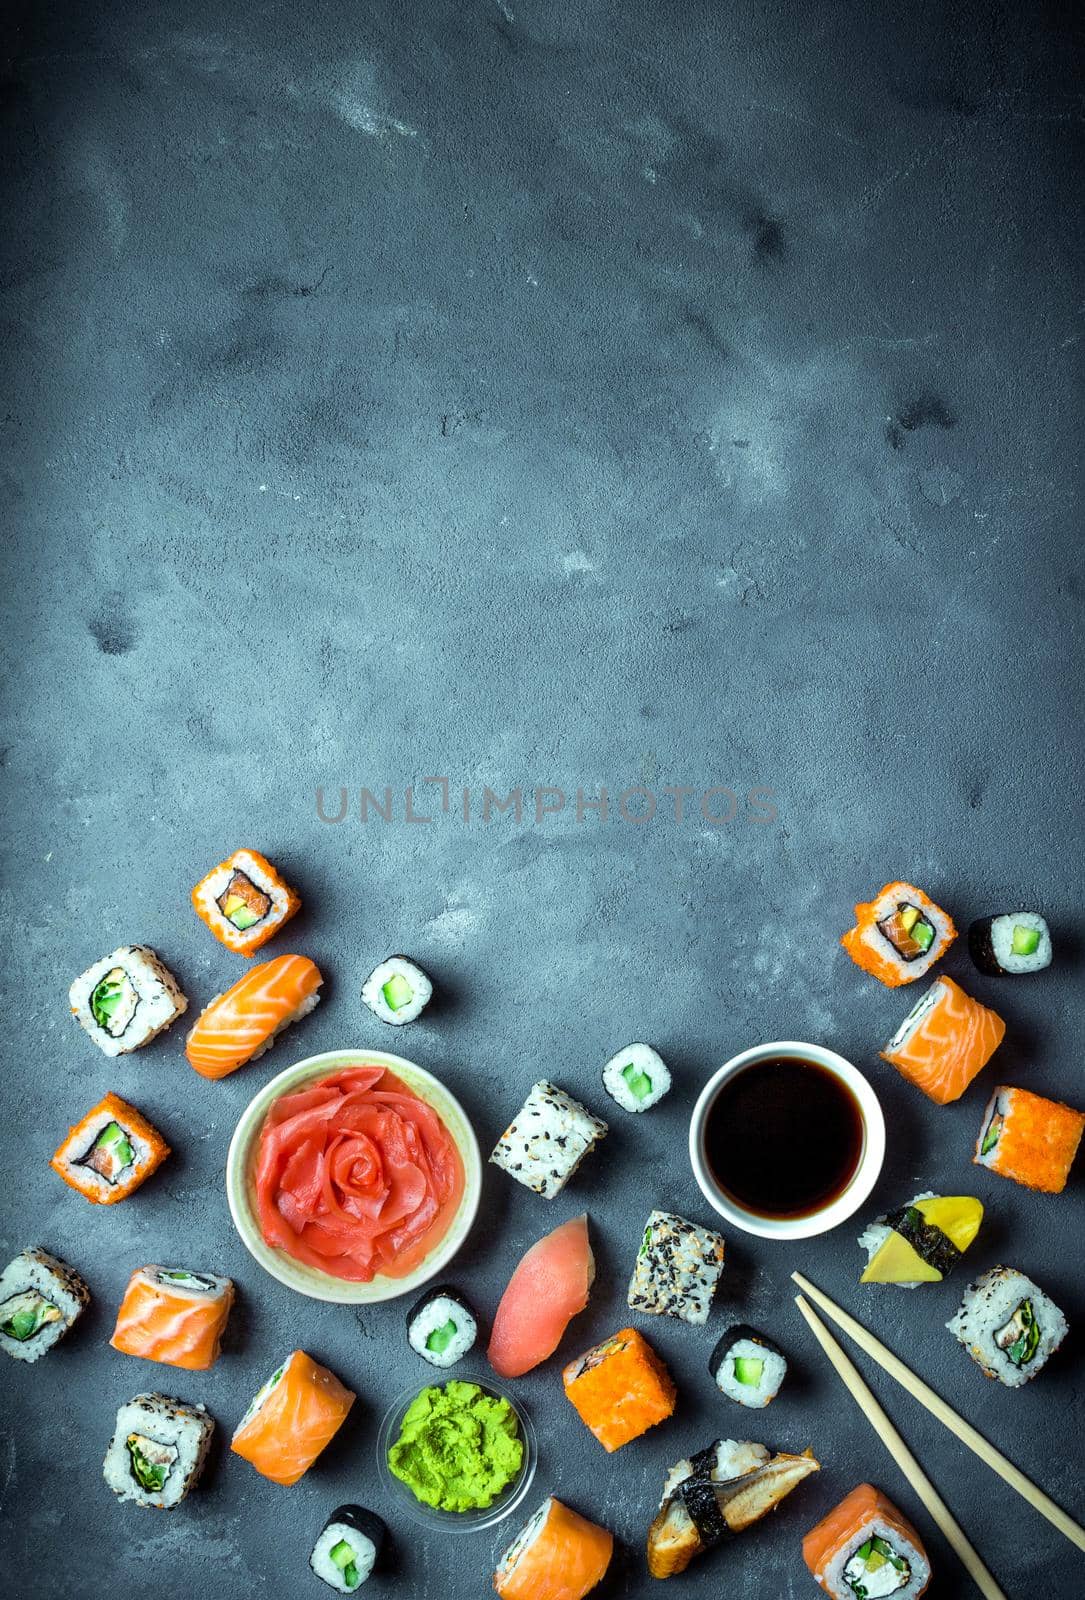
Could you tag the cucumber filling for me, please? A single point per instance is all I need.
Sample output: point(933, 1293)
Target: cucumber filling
point(397, 992)
point(151, 1461)
point(1025, 941)
point(243, 903)
point(992, 1133)
point(909, 932)
point(186, 1280)
point(440, 1339)
point(345, 1558)
point(26, 1314)
point(748, 1369)
point(113, 1002)
point(638, 1081)
point(111, 1153)
point(876, 1570)
point(1020, 1337)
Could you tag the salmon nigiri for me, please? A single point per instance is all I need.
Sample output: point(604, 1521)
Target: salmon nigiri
point(241, 1024)
point(548, 1288)
point(557, 1556)
point(943, 1042)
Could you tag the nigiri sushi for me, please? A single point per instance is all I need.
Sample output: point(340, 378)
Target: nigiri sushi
point(864, 1546)
point(171, 1315)
point(548, 1288)
point(944, 1041)
point(241, 1024)
point(292, 1418)
point(557, 1556)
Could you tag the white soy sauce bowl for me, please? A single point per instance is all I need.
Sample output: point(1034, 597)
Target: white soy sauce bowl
point(842, 1205)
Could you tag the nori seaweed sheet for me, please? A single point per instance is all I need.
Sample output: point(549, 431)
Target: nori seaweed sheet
point(928, 1242)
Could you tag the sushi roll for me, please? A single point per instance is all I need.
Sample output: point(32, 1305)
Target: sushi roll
point(441, 1327)
point(110, 1152)
point(547, 1140)
point(899, 935)
point(1030, 1139)
point(291, 1419)
point(921, 1242)
point(244, 901)
point(747, 1367)
point(157, 1450)
point(241, 1024)
point(1011, 944)
point(348, 1548)
point(637, 1078)
point(1008, 1326)
point(677, 1269)
point(620, 1388)
point(558, 1555)
point(171, 1315)
point(40, 1299)
point(126, 999)
point(944, 1041)
point(865, 1549)
point(397, 991)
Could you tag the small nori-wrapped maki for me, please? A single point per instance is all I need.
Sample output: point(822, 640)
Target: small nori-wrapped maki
point(348, 1548)
point(397, 991)
point(442, 1327)
point(747, 1367)
point(1008, 945)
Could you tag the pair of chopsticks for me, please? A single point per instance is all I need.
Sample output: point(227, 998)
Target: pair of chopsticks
point(900, 1452)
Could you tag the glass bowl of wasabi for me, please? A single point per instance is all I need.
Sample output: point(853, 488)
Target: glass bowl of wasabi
point(456, 1454)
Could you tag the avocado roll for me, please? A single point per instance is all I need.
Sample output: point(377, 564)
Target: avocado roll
point(397, 991)
point(40, 1299)
point(637, 1078)
point(1008, 945)
point(747, 1367)
point(441, 1327)
point(348, 1548)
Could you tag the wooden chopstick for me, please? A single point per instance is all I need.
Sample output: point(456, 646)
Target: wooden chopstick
point(934, 1403)
point(905, 1460)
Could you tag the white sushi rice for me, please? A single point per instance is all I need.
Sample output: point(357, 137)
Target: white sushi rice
point(677, 1269)
point(36, 1285)
point(876, 1233)
point(146, 981)
point(986, 1326)
point(75, 1149)
point(1002, 929)
point(434, 1315)
point(885, 1582)
point(926, 1003)
point(728, 1459)
point(330, 1572)
point(625, 1076)
point(547, 1140)
point(397, 976)
point(168, 1433)
point(884, 906)
point(753, 1395)
point(206, 897)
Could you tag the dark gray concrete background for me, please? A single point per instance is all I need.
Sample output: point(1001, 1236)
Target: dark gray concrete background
point(537, 394)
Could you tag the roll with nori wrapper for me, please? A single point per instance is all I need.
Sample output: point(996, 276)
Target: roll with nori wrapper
point(747, 1367)
point(1011, 944)
point(442, 1327)
point(348, 1548)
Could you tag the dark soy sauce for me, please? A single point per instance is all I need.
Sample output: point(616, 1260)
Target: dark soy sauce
point(783, 1138)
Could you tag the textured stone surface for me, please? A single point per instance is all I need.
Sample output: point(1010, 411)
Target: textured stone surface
point(545, 395)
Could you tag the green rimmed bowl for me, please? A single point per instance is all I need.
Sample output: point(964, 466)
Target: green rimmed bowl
point(241, 1189)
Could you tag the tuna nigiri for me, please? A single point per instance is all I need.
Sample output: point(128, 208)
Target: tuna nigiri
point(295, 1414)
point(241, 1024)
point(943, 1042)
point(557, 1556)
point(171, 1315)
point(548, 1288)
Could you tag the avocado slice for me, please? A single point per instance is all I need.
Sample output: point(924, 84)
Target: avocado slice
point(440, 1339)
point(748, 1369)
point(640, 1084)
point(992, 1134)
point(1025, 941)
point(397, 992)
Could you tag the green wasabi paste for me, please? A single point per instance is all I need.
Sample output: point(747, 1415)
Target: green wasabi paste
point(458, 1447)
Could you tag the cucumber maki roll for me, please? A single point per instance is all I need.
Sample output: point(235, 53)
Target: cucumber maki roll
point(1011, 944)
point(397, 991)
point(348, 1548)
point(441, 1327)
point(637, 1078)
point(747, 1367)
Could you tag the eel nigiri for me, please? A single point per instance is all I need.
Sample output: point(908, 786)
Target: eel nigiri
point(557, 1556)
point(174, 1316)
point(548, 1288)
point(241, 1024)
point(292, 1418)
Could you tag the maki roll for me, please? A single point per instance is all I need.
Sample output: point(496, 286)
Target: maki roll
point(557, 1555)
point(747, 1367)
point(441, 1327)
point(1030, 1139)
point(1011, 944)
point(866, 1550)
point(40, 1299)
point(348, 1548)
point(1008, 1326)
point(291, 1418)
point(899, 935)
point(620, 1389)
point(126, 999)
point(397, 991)
point(157, 1450)
point(547, 1140)
point(637, 1078)
point(944, 1041)
point(244, 901)
point(677, 1269)
point(110, 1152)
point(921, 1242)
point(171, 1315)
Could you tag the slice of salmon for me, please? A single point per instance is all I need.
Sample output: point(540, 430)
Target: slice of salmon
point(548, 1288)
point(292, 1419)
point(954, 1039)
point(243, 1022)
point(843, 1525)
point(557, 1556)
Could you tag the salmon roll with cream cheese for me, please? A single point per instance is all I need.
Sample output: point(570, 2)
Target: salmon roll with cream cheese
point(944, 1041)
point(296, 1413)
point(171, 1315)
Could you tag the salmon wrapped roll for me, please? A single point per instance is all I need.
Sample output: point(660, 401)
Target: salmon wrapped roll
point(899, 935)
point(244, 901)
point(557, 1556)
point(620, 1388)
point(174, 1316)
point(944, 1041)
point(241, 1024)
point(866, 1547)
point(297, 1412)
point(110, 1152)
